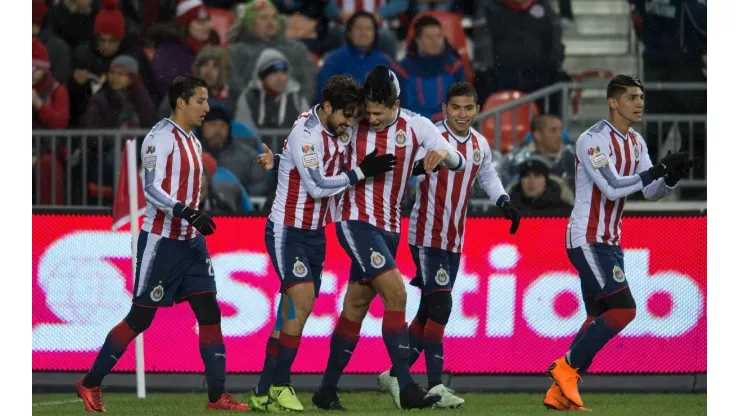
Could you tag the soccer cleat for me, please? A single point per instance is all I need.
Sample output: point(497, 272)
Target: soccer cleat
point(228, 402)
point(415, 397)
point(449, 400)
point(389, 384)
point(327, 399)
point(90, 397)
point(285, 397)
point(263, 403)
point(567, 379)
point(554, 399)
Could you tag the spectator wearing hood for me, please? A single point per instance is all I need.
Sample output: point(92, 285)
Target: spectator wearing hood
point(272, 99)
point(59, 53)
point(73, 21)
point(517, 46)
point(91, 60)
point(359, 55)
point(547, 142)
point(259, 29)
point(212, 65)
point(50, 111)
point(232, 154)
point(429, 69)
point(176, 48)
point(537, 191)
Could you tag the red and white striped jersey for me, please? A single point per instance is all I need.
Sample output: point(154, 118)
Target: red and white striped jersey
point(172, 173)
point(360, 5)
point(609, 167)
point(377, 200)
point(299, 202)
point(438, 217)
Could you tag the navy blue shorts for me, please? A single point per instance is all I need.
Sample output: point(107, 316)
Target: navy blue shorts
point(372, 250)
point(168, 271)
point(297, 255)
point(436, 269)
point(601, 269)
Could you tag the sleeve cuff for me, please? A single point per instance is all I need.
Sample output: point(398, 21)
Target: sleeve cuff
point(355, 175)
point(503, 198)
point(645, 178)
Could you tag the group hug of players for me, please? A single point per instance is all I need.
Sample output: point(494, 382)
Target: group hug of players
point(348, 161)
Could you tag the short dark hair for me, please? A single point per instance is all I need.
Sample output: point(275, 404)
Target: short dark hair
point(379, 86)
point(461, 89)
point(619, 84)
point(344, 93)
point(424, 21)
point(539, 122)
point(184, 87)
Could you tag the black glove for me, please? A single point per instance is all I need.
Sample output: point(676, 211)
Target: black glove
point(419, 168)
point(202, 222)
point(668, 164)
point(511, 213)
point(681, 171)
point(373, 164)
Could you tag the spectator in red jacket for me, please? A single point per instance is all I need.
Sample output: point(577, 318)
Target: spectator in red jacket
point(50, 111)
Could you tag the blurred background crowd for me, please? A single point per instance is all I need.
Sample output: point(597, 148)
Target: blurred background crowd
point(107, 65)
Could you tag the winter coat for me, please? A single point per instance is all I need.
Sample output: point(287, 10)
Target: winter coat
point(73, 28)
point(553, 198)
point(258, 109)
point(241, 159)
point(109, 109)
point(562, 166)
point(59, 55)
point(348, 60)
point(54, 113)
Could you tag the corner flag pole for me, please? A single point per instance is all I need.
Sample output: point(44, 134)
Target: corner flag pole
point(134, 225)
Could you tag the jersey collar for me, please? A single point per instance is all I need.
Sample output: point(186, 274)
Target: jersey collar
point(620, 135)
point(316, 114)
point(180, 129)
point(461, 140)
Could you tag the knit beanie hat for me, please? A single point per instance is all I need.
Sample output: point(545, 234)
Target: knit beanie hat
point(126, 62)
point(109, 21)
point(252, 9)
point(271, 66)
point(189, 10)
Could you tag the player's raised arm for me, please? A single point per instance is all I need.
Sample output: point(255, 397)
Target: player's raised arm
point(438, 149)
point(591, 153)
point(155, 150)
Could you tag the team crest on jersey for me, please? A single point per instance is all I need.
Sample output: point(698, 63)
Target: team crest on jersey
point(618, 274)
point(637, 153)
point(400, 138)
point(377, 260)
point(157, 293)
point(150, 150)
point(442, 278)
point(476, 156)
point(299, 269)
point(344, 138)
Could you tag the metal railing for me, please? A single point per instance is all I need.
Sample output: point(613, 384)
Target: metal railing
point(562, 92)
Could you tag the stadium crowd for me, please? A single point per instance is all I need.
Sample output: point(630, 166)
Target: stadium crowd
point(107, 65)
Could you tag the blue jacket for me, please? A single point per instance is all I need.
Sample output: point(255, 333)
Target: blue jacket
point(426, 79)
point(351, 61)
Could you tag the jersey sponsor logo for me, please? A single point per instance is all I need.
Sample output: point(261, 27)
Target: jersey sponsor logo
point(299, 269)
point(377, 260)
point(150, 162)
point(344, 138)
point(157, 293)
point(618, 274)
point(310, 160)
point(150, 150)
point(476, 156)
point(442, 278)
point(401, 138)
point(599, 160)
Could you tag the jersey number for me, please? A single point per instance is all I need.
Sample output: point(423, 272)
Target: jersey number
point(210, 267)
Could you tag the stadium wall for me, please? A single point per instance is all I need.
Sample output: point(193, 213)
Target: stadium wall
point(516, 307)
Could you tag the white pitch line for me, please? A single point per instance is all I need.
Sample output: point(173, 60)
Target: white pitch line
point(58, 402)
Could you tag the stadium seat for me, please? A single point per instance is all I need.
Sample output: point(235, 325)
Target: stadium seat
point(510, 135)
point(583, 76)
point(454, 33)
point(221, 20)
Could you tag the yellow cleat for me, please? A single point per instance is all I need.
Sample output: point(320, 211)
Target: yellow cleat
point(285, 397)
point(263, 403)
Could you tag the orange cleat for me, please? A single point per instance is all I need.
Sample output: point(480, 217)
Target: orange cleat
point(567, 379)
point(90, 397)
point(227, 402)
point(555, 400)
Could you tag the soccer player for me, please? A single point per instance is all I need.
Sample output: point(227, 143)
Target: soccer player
point(436, 232)
point(612, 162)
point(369, 232)
point(172, 262)
point(294, 234)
